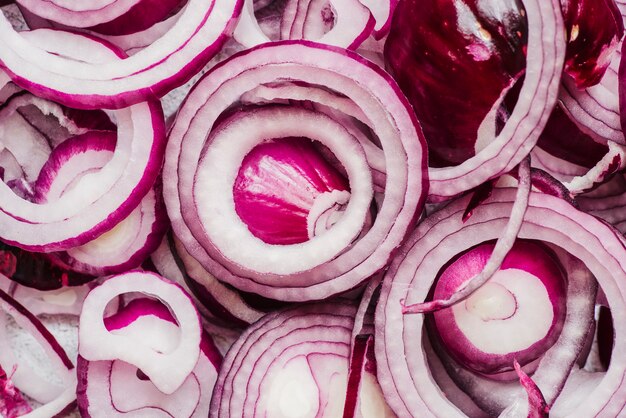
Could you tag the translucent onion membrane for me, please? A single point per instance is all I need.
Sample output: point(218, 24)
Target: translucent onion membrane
point(359, 119)
point(49, 66)
point(57, 396)
point(586, 248)
point(116, 388)
point(345, 23)
point(129, 242)
point(296, 363)
point(502, 150)
point(100, 200)
point(167, 370)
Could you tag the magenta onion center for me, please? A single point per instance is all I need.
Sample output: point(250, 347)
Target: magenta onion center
point(518, 314)
point(286, 192)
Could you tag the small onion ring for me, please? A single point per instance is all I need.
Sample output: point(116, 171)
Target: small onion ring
point(166, 370)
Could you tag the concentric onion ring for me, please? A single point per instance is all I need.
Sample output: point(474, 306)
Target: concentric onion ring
point(402, 366)
point(297, 363)
point(197, 220)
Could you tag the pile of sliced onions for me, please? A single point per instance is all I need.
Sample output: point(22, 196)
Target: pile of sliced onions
point(278, 216)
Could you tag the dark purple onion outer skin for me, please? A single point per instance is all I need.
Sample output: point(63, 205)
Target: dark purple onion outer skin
point(36, 270)
point(600, 26)
point(563, 139)
point(452, 76)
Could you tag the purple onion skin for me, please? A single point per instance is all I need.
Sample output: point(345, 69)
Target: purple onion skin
point(594, 28)
point(525, 255)
point(563, 139)
point(37, 270)
point(276, 185)
point(452, 75)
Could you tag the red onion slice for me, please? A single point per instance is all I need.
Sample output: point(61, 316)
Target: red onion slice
point(166, 370)
point(168, 63)
point(521, 131)
point(100, 200)
point(294, 363)
point(309, 64)
point(402, 367)
point(105, 385)
point(517, 315)
point(79, 16)
point(214, 198)
point(64, 301)
point(56, 398)
point(222, 301)
point(129, 242)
